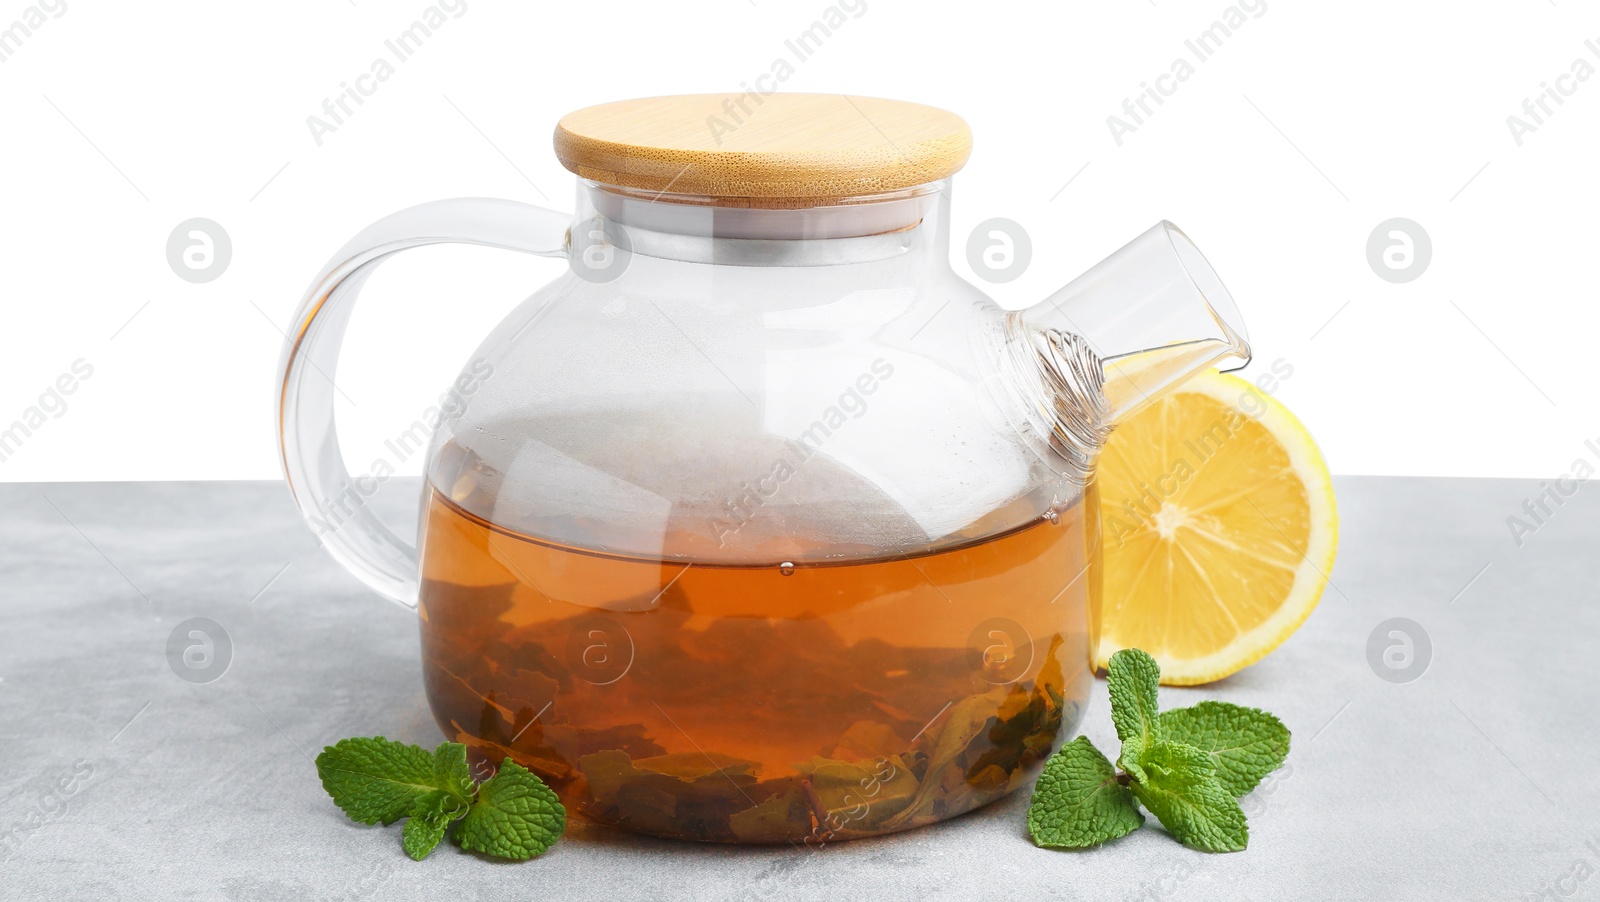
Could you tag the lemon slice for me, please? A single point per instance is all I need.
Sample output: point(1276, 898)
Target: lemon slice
point(1218, 528)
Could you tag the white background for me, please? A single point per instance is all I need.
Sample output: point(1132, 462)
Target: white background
point(1311, 124)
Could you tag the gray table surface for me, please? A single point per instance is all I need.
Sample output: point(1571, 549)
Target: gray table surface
point(1478, 780)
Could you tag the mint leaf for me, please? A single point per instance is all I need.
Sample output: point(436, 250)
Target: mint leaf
point(1078, 801)
point(452, 774)
point(374, 779)
point(1178, 784)
point(1132, 677)
point(430, 820)
point(1245, 744)
point(515, 816)
point(1128, 759)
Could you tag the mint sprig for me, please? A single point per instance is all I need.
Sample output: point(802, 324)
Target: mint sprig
point(374, 780)
point(1187, 766)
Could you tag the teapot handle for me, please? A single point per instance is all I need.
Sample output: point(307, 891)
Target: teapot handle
point(334, 505)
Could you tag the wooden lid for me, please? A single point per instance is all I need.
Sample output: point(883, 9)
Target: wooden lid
point(778, 150)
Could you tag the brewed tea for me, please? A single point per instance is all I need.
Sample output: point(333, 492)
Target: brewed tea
point(802, 700)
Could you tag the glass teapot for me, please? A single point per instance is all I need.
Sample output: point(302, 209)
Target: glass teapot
point(758, 524)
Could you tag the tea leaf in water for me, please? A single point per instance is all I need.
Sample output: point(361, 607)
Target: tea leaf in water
point(690, 767)
point(945, 743)
point(1028, 723)
point(859, 794)
point(700, 790)
point(538, 758)
point(867, 739)
point(774, 819)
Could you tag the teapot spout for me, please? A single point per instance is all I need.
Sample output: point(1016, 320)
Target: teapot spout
point(1153, 314)
point(1120, 336)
